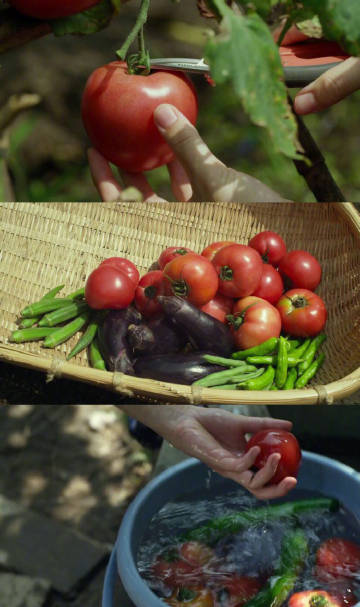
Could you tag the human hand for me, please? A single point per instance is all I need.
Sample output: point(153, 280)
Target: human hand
point(195, 173)
point(332, 86)
point(217, 438)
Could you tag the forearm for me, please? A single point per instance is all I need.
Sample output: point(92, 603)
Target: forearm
point(156, 417)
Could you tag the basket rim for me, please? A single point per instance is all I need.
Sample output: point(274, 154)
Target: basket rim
point(158, 391)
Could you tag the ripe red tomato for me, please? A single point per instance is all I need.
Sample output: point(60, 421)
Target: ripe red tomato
point(255, 321)
point(174, 571)
point(237, 590)
point(303, 313)
point(196, 553)
point(109, 288)
point(125, 266)
point(213, 248)
point(117, 112)
point(170, 253)
point(239, 268)
point(271, 286)
point(300, 269)
point(219, 307)
point(311, 598)
point(270, 245)
point(52, 9)
point(277, 441)
point(342, 591)
point(191, 597)
point(150, 286)
point(337, 558)
point(192, 277)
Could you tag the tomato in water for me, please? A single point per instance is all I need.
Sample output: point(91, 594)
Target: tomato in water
point(313, 598)
point(218, 307)
point(192, 277)
point(277, 441)
point(173, 571)
point(271, 285)
point(300, 269)
point(117, 112)
point(237, 590)
point(52, 9)
point(337, 558)
point(254, 320)
point(191, 597)
point(303, 313)
point(270, 245)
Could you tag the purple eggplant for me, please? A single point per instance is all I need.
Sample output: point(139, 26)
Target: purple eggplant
point(112, 339)
point(175, 368)
point(157, 336)
point(203, 331)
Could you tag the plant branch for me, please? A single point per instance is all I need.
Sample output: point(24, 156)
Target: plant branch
point(14, 105)
point(139, 24)
point(316, 173)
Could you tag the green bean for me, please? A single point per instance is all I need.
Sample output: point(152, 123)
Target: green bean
point(311, 351)
point(267, 347)
point(291, 379)
point(260, 383)
point(44, 305)
point(71, 310)
point(58, 336)
point(310, 372)
point(249, 375)
point(30, 334)
point(300, 351)
point(26, 323)
point(96, 360)
point(282, 363)
point(224, 387)
point(215, 379)
point(226, 362)
point(270, 360)
point(85, 340)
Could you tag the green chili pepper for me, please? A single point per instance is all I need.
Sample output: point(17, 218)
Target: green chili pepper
point(217, 378)
point(260, 383)
point(30, 334)
point(282, 363)
point(310, 352)
point(292, 344)
point(60, 315)
point(85, 340)
point(96, 360)
point(267, 347)
point(310, 372)
point(226, 362)
point(270, 360)
point(290, 380)
point(273, 387)
point(58, 336)
point(300, 351)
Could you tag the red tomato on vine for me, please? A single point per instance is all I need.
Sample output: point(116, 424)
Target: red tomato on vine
point(52, 9)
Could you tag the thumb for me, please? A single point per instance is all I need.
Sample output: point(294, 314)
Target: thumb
point(185, 141)
point(332, 86)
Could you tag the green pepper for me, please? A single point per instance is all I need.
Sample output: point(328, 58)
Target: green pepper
point(260, 383)
point(271, 360)
point(310, 352)
point(282, 363)
point(267, 347)
point(310, 372)
point(291, 379)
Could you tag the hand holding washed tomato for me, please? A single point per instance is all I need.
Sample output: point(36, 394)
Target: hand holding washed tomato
point(52, 9)
point(303, 313)
point(117, 112)
point(277, 441)
point(253, 321)
point(239, 269)
point(270, 245)
point(193, 277)
point(300, 269)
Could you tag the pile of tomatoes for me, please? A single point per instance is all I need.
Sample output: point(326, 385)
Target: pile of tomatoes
point(241, 285)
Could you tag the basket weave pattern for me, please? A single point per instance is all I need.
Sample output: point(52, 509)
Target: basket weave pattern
point(43, 245)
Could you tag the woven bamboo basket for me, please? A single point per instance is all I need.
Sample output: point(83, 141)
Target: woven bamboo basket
point(43, 245)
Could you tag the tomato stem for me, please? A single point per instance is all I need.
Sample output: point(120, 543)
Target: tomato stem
point(137, 31)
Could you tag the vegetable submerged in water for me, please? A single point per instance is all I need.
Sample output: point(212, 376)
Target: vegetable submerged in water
point(204, 332)
point(175, 368)
point(112, 340)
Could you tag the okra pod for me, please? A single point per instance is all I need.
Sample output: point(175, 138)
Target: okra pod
point(96, 360)
point(26, 323)
point(267, 347)
point(226, 362)
point(76, 294)
point(270, 360)
point(212, 531)
point(44, 305)
point(30, 334)
point(310, 372)
point(310, 352)
point(282, 363)
point(217, 378)
point(85, 340)
point(260, 383)
point(58, 336)
point(71, 310)
point(291, 379)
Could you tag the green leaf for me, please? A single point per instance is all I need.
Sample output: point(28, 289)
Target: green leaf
point(87, 22)
point(340, 20)
point(245, 54)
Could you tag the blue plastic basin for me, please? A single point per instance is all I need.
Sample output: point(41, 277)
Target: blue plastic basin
point(317, 473)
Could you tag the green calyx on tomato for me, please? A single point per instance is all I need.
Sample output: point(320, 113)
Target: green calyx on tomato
point(150, 292)
point(298, 301)
point(179, 287)
point(226, 273)
point(186, 594)
point(318, 601)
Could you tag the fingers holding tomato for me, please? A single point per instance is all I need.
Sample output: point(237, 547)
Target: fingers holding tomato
point(302, 312)
point(281, 442)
